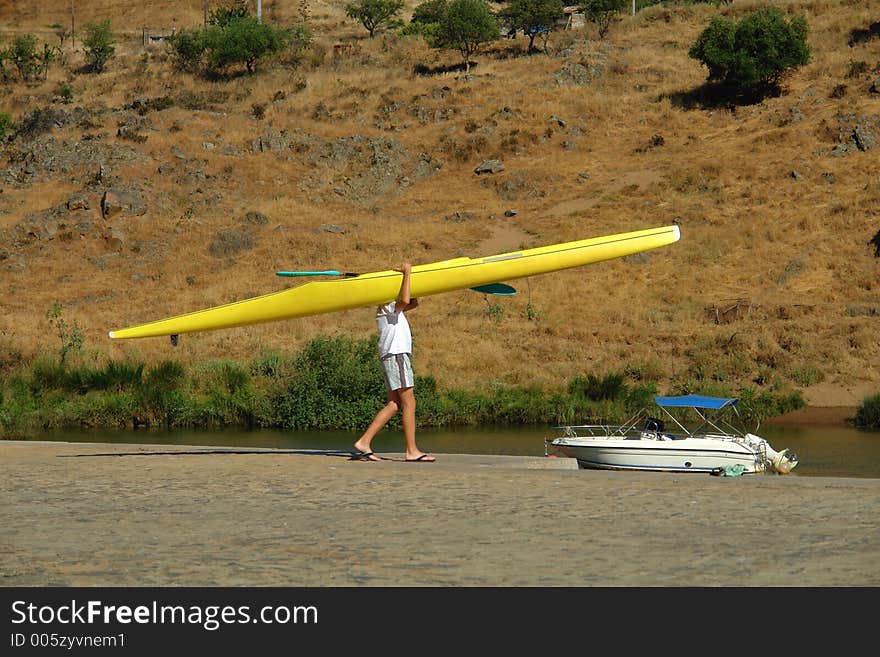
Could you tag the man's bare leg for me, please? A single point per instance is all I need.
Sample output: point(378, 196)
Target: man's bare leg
point(382, 417)
point(408, 406)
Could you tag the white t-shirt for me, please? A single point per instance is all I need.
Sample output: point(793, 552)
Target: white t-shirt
point(394, 333)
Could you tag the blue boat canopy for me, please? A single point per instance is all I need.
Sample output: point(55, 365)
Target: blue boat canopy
point(694, 401)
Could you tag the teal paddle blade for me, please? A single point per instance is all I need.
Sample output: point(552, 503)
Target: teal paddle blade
point(329, 272)
point(498, 289)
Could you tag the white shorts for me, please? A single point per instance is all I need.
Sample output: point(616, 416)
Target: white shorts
point(398, 371)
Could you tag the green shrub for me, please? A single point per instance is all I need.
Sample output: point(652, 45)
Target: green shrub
point(116, 377)
point(373, 14)
point(48, 55)
point(23, 55)
point(232, 10)
point(224, 375)
point(536, 18)
point(640, 396)
point(611, 386)
point(425, 21)
point(98, 45)
point(602, 13)
point(227, 397)
point(161, 393)
point(70, 335)
point(465, 26)
point(336, 384)
point(65, 92)
point(868, 414)
point(243, 40)
point(113, 410)
point(234, 37)
point(806, 375)
point(752, 55)
point(754, 405)
point(6, 126)
point(495, 311)
point(47, 373)
point(187, 48)
point(168, 375)
point(268, 364)
point(427, 31)
point(429, 12)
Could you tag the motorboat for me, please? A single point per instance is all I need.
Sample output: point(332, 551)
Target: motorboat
point(714, 445)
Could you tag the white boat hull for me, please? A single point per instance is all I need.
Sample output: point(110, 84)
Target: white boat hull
point(650, 447)
point(683, 455)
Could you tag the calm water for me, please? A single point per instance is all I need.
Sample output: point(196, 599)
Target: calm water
point(823, 451)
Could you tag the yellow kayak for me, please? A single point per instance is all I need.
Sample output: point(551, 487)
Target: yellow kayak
point(361, 290)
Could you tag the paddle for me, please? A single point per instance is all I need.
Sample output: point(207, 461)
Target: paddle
point(498, 289)
point(328, 272)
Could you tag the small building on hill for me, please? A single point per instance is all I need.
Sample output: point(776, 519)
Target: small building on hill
point(574, 17)
point(156, 37)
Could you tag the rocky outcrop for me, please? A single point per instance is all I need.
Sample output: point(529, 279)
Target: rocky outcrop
point(366, 170)
point(73, 218)
point(116, 201)
point(44, 158)
point(860, 132)
point(580, 73)
point(62, 221)
point(489, 166)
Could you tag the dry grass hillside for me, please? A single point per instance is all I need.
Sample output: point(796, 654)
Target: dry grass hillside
point(350, 159)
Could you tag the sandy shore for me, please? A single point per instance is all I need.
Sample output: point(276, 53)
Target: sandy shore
point(135, 515)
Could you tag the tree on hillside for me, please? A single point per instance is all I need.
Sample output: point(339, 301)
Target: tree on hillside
point(231, 39)
point(751, 56)
point(429, 12)
point(222, 16)
point(425, 21)
point(98, 45)
point(465, 26)
point(533, 17)
point(373, 14)
point(602, 13)
point(187, 48)
point(23, 55)
point(48, 55)
point(243, 41)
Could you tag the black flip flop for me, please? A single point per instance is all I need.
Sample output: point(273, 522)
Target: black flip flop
point(424, 458)
point(362, 456)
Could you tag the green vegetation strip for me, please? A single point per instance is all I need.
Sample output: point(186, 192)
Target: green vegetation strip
point(333, 383)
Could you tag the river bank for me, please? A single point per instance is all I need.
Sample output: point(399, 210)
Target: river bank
point(827, 405)
point(333, 383)
point(824, 416)
point(138, 515)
